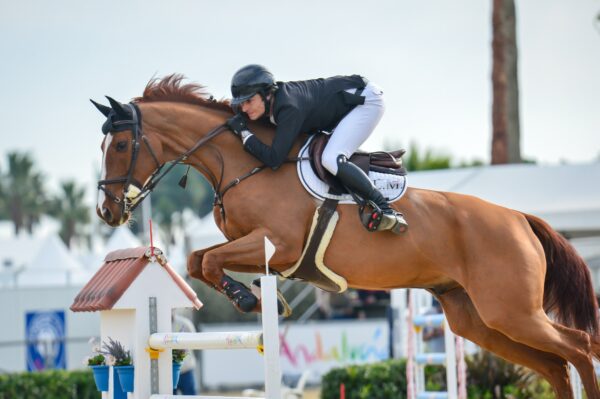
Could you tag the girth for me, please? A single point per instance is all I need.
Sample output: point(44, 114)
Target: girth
point(311, 266)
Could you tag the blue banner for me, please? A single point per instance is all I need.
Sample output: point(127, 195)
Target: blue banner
point(45, 335)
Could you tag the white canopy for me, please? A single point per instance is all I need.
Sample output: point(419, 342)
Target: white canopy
point(120, 239)
point(203, 232)
point(52, 265)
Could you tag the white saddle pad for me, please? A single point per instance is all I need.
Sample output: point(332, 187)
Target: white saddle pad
point(391, 186)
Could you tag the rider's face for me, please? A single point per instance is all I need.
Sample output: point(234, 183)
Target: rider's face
point(254, 107)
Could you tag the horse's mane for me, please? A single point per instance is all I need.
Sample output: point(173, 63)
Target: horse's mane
point(171, 88)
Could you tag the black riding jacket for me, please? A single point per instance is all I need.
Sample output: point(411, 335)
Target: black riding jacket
point(308, 106)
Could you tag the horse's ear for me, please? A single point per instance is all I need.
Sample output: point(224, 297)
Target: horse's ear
point(118, 107)
point(102, 108)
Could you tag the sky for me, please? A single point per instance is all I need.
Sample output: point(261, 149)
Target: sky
point(432, 58)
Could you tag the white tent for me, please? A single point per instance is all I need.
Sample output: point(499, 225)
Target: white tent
point(15, 254)
point(566, 196)
point(53, 265)
point(120, 239)
point(204, 232)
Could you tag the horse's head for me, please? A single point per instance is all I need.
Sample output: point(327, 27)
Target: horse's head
point(129, 159)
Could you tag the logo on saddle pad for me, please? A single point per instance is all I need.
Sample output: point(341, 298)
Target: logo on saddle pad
point(391, 184)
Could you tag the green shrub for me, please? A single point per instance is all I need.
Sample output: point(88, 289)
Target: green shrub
point(383, 380)
point(492, 377)
point(54, 384)
point(488, 377)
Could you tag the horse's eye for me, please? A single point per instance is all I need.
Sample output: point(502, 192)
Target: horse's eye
point(121, 146)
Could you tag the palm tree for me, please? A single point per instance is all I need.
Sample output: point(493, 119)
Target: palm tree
point(505, 108)
point(68, 207)
point(22, 194)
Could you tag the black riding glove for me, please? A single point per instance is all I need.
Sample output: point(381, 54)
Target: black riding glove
point(237, 124)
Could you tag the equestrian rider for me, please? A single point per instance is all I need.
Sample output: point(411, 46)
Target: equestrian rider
point(334, 105)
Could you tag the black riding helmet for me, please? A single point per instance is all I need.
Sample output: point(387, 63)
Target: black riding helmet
point(250, 80)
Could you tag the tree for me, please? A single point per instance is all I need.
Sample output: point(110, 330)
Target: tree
point(69, 208)
point(505, 107)
point(428, 159)
point(23, 194)
point(415, 159)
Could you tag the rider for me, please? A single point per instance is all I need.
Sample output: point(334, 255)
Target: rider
point(348, 106)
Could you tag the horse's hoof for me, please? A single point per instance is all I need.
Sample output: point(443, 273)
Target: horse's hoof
point(247, 304)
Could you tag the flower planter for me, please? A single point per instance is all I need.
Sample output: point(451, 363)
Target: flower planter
point(101, 377)
point(176, 372)
point(125, 377)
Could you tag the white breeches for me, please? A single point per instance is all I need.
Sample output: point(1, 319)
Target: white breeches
point(355, 128)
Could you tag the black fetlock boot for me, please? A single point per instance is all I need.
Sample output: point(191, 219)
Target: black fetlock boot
point(239, 294)
point(383, 216)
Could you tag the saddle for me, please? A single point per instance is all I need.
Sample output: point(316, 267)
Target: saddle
point(379, 161)
point(311, 266)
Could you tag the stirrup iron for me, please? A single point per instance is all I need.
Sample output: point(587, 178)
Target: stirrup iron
point(381, 220)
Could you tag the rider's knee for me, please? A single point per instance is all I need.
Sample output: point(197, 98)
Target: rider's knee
point(331, 159)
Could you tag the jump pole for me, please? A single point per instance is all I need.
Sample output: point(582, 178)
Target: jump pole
point(268, 337)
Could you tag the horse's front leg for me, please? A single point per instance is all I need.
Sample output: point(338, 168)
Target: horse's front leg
point(194, 266)
point(247, 250)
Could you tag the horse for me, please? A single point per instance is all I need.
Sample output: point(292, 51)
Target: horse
point(505, 279)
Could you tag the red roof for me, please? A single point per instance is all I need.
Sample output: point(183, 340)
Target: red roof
point(119, 270)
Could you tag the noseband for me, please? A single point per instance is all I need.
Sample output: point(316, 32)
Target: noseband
point(132, 193)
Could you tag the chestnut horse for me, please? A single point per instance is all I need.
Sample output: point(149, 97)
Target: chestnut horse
point(497, 272)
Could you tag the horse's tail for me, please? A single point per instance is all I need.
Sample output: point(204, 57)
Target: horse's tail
point(568, 291)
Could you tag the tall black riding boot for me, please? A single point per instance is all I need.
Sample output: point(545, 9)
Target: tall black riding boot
point(358, 182)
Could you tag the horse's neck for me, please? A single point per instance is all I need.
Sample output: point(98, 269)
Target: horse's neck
point(180, 126)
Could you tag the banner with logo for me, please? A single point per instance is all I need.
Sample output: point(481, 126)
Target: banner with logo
point(45, 337)
point(317, 346)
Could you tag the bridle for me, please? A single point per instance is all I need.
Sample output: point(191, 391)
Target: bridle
point(133, 191)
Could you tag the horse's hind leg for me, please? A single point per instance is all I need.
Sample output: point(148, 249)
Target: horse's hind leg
point(596, 347)
point(524, 321)
point(465, 321)
point(572, 345)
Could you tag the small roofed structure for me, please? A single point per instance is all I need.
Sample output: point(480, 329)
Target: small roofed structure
point(136, 280)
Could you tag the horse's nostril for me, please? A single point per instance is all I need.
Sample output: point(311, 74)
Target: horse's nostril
point(107, 215)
